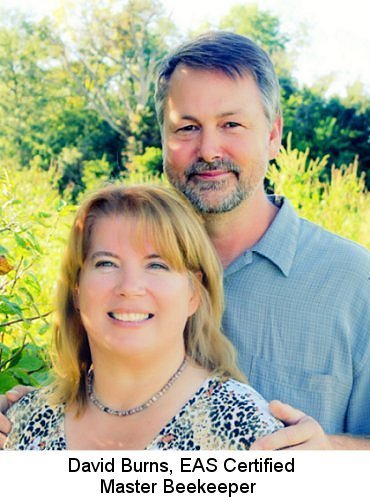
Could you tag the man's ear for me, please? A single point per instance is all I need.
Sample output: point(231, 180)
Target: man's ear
point(276, 133)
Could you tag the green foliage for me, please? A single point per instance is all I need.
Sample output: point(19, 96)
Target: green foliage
point(341, 205)
point(33, 222)
point(80, 99)
point(150, 162)
point(262, 27)
point(329, 127)
point(32, 228)
point(111, 58)
point(95, 172)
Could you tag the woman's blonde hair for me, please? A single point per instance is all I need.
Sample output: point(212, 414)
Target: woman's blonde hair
point(172, 226)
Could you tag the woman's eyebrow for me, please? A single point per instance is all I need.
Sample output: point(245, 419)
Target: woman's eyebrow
point(103, 253)
point(152, 255)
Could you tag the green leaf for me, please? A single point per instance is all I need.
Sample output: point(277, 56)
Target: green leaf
point(8, 307)
point(21, 242)
point(33, 242)
point(7, 381)
point(42, 377)
point(30, 363)
point(32, 282)
point(22, 376)
point(43, 329)
point(16, 354)
point(27, 293)
point(5, 351)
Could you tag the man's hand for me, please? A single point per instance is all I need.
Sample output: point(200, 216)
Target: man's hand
point(6, 401)
point(302, 432)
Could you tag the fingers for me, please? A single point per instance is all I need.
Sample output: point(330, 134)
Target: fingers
point(285, 412)
point(13, 395)
point(289, 437)
point(5, 425)
point(4, 403)
point(2, 440)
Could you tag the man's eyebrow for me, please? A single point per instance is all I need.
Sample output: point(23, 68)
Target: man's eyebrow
point(220, 115)
point(231, 112)
point(189, 117)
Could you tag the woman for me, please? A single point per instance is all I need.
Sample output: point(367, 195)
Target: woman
point(139, 357)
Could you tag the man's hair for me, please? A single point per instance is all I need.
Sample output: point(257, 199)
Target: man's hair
point(226, 52)
point(167, 220)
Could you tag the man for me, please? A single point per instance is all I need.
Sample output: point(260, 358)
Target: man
point(297, 297)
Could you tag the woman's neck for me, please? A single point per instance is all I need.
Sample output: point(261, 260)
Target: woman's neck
point(127, 383)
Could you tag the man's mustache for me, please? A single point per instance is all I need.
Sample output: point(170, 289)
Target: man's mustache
point(201, 167)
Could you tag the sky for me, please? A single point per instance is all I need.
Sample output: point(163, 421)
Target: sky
point(337, 40)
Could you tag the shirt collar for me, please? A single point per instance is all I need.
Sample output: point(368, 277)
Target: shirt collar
point(279, 242)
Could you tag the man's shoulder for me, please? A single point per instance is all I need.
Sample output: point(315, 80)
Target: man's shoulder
point(315, 237)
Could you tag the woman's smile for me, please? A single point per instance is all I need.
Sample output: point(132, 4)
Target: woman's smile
point(126, 287)
point(130, 316)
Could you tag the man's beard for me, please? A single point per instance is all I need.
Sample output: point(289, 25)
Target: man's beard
point(196, 191)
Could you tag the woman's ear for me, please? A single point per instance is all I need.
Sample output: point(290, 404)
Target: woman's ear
point(196, 281)
point(76, 298)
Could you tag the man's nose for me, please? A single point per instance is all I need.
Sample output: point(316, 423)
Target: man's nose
point(210, 148)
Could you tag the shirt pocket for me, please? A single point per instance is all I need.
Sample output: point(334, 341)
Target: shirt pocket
point(323, 396)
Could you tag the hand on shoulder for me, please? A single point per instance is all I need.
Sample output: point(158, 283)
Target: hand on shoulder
point(301, 431)
point(6, 401)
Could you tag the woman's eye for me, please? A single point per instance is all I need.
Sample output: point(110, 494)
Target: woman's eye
point(104, 264)
point(158, 266)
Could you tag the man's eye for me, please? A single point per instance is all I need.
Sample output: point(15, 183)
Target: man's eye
point(231, 124)
point(187, 128)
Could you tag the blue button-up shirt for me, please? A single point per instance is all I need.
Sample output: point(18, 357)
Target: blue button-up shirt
point(297, 310)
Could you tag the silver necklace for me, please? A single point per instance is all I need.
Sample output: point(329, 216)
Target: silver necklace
point(136, 409)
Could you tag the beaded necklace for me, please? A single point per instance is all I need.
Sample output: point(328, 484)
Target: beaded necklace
point(136, 409)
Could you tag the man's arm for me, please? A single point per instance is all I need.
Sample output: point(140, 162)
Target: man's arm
point(302, 432)
point(6, 400)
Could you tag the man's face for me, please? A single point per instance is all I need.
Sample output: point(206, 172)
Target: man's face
point(216, 138)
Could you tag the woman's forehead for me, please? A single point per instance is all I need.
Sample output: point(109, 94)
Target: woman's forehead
point(142, 234)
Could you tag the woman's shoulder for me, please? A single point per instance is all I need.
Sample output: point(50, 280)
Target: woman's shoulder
point(239, 394)
point(240, 411)
point(27, 403)
point(34, 419)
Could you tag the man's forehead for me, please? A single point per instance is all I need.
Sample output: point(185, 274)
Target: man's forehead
point(192, 89)
point(183, 70)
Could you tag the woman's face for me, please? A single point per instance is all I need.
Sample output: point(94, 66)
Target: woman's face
point(131, 302)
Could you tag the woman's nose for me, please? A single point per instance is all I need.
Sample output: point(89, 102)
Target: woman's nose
point(130, 283)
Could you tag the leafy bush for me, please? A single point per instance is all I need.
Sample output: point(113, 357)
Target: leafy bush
point(341, 204)
point(34, 221)
point(32, 228)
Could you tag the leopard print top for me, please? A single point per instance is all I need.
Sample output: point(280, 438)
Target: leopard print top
point(222, 414)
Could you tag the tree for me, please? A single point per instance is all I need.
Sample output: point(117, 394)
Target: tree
point(262, 27)
point(25, 89)
point(112, 61)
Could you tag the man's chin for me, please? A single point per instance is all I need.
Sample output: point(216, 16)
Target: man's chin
point(214, 203)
